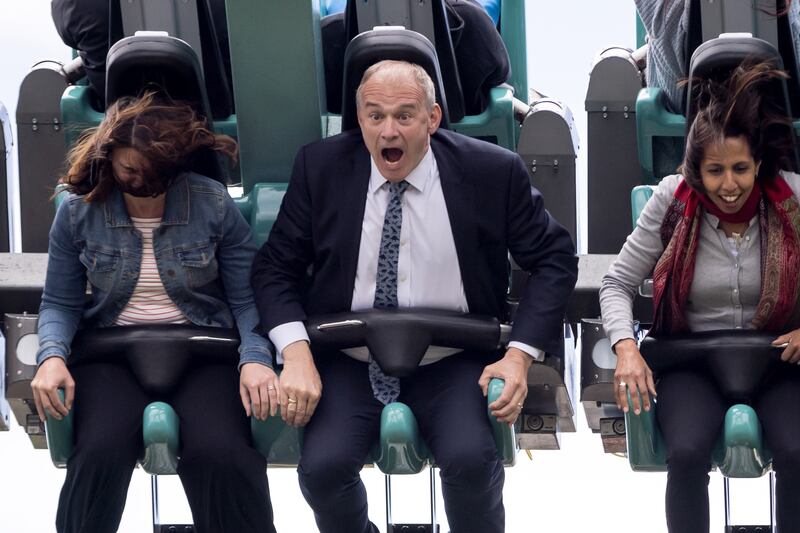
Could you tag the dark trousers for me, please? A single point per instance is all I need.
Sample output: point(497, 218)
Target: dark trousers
point(691, 411)
point(451, 412)
point(223, 475)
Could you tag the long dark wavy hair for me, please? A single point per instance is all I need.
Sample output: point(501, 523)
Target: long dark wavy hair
point(170, 135)
point(741, 105)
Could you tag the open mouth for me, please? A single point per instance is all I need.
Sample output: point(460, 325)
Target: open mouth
point(730, 199)
point(392, 155)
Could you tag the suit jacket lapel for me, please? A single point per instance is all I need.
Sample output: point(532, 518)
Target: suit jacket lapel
point(352, 191)
point(459, 197)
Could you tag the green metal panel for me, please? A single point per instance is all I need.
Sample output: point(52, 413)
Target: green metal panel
point(78, 115)
point(160, 429)
point(59, 436)
point(641, 32)
point(504, 435)
point(496, 124)
point(278, 83)
point(653, 120)
point(260, 208)
point(512, 29)
point(646, 450)
point(639, 197)
point(277, 441)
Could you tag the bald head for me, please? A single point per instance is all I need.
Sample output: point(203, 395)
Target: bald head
point(397, 72)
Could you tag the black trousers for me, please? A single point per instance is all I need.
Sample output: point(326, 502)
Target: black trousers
point(691, 411)
point(451, 412)
point(223, 475)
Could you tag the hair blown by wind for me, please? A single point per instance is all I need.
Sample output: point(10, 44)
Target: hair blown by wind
point(170, 135)
point(742, 105)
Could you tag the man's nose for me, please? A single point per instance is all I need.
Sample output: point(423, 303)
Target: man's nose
point(389, 129)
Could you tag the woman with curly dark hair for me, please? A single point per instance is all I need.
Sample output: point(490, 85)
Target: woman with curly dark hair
point(723, 242)
point(158, 244)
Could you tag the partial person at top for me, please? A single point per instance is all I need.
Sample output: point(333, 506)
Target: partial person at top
point(722, 240)
point(667, 25)
point(402, 214)
point(480, 52)
point(86, 26)
point(158, 244)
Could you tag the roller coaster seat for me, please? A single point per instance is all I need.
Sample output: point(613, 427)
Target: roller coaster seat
point(738, 359)
point(495, 124)
point(167, 64)
point(712, 58)
point(400, 449)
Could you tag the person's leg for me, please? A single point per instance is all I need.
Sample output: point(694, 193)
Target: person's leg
point(451, 411)
point(107, 414)
point(336, 443)
point(777, 408)
point(224, 476)
point(690, 413)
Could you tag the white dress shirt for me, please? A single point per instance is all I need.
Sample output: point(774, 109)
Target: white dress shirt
point(428, 273)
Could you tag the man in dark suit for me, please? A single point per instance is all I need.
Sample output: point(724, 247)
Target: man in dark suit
point(400, 214)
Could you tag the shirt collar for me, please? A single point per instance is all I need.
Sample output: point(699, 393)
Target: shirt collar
point(417, 179)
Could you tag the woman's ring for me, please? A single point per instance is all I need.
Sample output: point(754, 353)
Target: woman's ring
point(292, 400)
point(622, 384)
point(271, 387)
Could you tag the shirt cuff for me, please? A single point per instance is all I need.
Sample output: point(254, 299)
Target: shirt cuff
point(536, 353)
point(284, 335)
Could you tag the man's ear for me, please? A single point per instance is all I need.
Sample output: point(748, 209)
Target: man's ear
point(435, 119)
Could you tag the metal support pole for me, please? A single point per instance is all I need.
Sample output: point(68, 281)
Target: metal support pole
point(389, 522)
point(773, 526)
point(433, 498)
point(727, 491)
point(154, 497)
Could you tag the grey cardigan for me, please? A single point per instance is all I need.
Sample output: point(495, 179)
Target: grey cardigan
point(727, 281)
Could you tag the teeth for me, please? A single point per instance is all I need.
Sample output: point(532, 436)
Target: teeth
point(730, 198)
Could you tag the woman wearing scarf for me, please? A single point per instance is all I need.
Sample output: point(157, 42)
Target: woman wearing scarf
point(723, 242)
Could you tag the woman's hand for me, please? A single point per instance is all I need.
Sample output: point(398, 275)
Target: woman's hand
point(634, 374)
point(301, 386)
point(52, 375)
point(259, 387)
point(790, 354)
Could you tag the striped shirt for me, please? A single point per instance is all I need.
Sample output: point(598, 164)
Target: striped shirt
point(149, 303)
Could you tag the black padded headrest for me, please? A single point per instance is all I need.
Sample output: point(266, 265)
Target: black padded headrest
point(373, 46)
point(717, 58)
point(445, 51)
point(169, 65)
point(739, 360)
point(212, 24)
point(158, 355)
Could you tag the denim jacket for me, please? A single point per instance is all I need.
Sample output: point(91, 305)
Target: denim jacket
point(203, 249)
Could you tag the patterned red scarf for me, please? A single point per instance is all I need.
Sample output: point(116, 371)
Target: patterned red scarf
point(779, 223)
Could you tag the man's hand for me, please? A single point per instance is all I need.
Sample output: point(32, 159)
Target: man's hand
point(259, 386)
point(513, 369)
point(301, 386)
point(51, 376)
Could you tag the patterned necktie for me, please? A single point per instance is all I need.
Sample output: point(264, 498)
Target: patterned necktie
point(387, 388)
